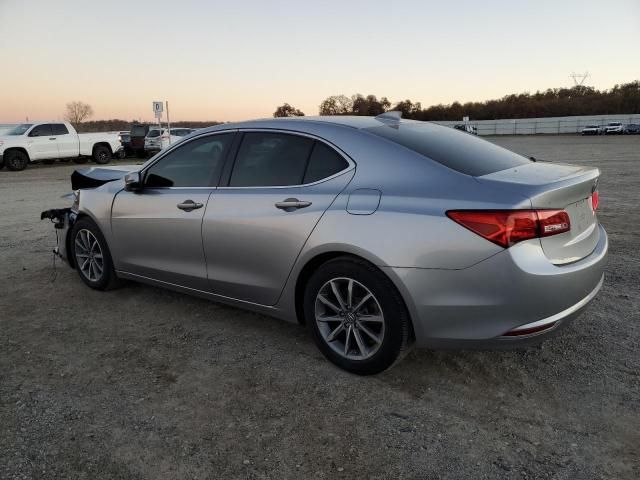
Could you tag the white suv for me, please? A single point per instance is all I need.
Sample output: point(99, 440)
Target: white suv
point(613, 128)
point(158, 139)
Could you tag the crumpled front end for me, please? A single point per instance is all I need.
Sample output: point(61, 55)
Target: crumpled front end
point(63, 220)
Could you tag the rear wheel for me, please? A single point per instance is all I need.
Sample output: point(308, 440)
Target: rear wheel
point(356, 316)
point(101, 154)
point(91, 256)
point(16, 160)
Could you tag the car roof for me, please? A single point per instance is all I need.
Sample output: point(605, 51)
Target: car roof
point(346, 121)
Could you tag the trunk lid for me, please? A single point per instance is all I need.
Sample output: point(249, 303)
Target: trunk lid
point(561, 187)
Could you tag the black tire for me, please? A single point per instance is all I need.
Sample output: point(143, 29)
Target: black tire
point(107, 279)
point(80, 160)
point(16, 160)
point(49, 161)
point(101, 154)
point(395, 332)
point(122, 154)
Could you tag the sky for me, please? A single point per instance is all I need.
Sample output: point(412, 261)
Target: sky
point(234, 60)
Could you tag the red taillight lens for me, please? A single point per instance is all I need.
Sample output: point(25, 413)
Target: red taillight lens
point(508, 227)
point(595, 200)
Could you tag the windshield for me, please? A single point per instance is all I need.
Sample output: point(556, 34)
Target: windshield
point(153, 133)
point(138, 130)
point(615, 124)
point(591, 126)
point(19, 129)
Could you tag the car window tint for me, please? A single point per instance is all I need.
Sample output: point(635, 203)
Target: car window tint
point(467, 154)
point(270, 159)
point(323, 163)
point(59, 129)
point(197, 163)
point(43, 130)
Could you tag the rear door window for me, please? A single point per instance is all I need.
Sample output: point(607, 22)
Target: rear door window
point(466, 154)
point(59, 129)
point(268, 159)
point(324, 162)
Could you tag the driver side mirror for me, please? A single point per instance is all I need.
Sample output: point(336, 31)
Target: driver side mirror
point(132, 182)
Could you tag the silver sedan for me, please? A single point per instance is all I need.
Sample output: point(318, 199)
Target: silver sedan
point(377, 233)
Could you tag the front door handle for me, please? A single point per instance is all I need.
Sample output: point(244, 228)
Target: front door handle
point(189, 205)
point(291, 204)
point(52, 138)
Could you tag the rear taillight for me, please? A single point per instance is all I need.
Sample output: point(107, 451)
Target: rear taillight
point(595, 200)
point(508, 227)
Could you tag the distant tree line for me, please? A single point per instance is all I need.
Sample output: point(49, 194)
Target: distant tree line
point(124, 125)
point(553, 102)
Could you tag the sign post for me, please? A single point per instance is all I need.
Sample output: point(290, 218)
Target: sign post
point(168, 122)
point(157, 111)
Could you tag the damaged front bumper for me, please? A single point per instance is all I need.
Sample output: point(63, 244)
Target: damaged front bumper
point(63, 220)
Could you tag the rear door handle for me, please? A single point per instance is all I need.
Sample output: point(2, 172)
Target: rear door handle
point(291, 204)
point(189, 205)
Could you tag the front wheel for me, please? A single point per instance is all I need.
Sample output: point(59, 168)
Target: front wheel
point(91, 255)
point(16, 160)
point(356, 316)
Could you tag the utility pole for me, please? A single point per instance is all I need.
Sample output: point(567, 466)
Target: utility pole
point(579, 78)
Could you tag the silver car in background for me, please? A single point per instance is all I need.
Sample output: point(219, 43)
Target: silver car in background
point(376, 233)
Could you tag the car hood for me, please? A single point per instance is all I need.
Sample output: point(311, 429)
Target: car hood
point(93, 177)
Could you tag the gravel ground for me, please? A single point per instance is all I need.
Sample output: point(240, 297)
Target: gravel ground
point(146, 383)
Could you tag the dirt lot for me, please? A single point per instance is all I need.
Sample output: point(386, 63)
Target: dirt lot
point(145, 383)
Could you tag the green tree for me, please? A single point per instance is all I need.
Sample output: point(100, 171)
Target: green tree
point(336, 105)
point(287, 110)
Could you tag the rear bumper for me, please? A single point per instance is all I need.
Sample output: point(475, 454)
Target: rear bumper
point(517, 288)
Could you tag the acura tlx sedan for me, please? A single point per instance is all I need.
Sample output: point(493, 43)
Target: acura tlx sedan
point(377, 233)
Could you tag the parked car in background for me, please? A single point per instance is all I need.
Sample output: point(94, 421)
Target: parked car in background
point(592, 130)
point(158, 139)
point(138, 134)
point(613, 128)
point(125, 141)
point(467, 128)
point(374, 232)
point(632, 129)
point(47, 141)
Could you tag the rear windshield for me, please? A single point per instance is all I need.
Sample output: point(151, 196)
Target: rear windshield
point(180, 132)
point(459, 151)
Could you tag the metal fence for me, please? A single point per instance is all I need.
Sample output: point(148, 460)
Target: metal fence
point(547, 125)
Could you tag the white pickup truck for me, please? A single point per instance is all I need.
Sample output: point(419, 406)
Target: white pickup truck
point(46, 141)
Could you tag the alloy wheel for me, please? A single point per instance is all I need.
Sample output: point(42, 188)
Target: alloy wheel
point(349, 318)
point(89, 255)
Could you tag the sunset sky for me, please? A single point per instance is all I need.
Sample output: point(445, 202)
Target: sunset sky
point(236, 60)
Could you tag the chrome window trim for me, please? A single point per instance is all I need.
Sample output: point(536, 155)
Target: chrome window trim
point(351, 165)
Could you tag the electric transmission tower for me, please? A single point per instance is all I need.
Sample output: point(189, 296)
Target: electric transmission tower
point(579, 78)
